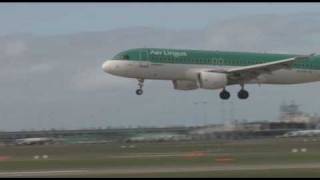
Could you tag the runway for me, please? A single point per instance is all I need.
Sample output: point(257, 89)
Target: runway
point(270, 158)
point(155, 169)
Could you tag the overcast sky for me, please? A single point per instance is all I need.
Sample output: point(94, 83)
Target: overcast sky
point(59, 18)
point(51, 56)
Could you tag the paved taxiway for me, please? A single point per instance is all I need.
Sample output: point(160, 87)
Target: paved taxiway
point(146, 170)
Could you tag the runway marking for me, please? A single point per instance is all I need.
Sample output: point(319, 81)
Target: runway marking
point(4, 158)
point(23, 173)
point(177, 154)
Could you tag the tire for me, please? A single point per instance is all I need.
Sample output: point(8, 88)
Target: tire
point(139, 91)
point(243, 94)
point(224, 95)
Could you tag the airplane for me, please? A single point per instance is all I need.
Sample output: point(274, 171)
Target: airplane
point(32, 141)
point(193, 69)
point(315, 132)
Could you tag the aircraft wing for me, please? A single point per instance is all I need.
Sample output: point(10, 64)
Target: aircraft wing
point(253, 71)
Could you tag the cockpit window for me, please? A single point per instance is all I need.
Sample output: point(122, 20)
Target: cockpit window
point(121, 55)
point(126, 56)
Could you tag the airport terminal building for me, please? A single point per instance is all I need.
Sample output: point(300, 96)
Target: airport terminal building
point(291, 119)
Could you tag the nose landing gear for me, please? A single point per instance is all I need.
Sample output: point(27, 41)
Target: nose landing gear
point(140, 84)
point(139, 91)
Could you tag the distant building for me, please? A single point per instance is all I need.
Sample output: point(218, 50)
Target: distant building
point(291, 113)
point(157, 137)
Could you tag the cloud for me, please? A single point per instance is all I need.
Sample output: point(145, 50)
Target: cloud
point(266, 33)
point(15, 48)
point(40, 68)
point(93, 79)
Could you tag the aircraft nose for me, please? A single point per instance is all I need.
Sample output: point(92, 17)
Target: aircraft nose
point(107, 67)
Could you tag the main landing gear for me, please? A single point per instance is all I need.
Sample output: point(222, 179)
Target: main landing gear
point(224, 94)
point(140, 84)
point(242, 94)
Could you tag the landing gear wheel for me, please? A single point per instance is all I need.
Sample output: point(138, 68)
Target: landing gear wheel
point(140, 84)
point(224, 95)
point(139, 91)
point(243, 94)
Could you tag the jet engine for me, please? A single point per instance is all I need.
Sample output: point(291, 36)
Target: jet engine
point(184, 85)
point(212, 80)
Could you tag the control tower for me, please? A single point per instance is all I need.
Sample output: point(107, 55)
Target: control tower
point(291, 113)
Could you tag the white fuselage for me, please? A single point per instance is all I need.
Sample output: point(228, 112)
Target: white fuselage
point(315, 132)
point(162, 71)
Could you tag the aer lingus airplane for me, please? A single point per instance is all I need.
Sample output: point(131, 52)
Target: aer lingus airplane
point(193, 69)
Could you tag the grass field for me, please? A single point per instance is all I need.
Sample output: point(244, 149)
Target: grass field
point(99, 160)
point(297, 173)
